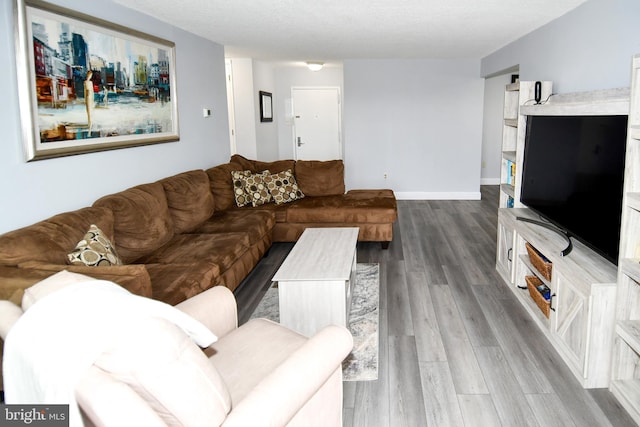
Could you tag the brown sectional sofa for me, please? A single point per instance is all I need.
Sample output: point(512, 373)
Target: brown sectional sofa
point(184, 234)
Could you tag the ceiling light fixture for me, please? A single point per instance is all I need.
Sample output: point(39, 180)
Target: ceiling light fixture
point(315, 65)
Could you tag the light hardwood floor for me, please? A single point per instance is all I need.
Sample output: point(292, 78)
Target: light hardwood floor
point(456, 347)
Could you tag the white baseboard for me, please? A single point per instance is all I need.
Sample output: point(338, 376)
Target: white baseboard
point(418, 195)
point(489, 181)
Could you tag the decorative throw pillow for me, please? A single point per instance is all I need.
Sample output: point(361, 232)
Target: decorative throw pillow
point(240, 193)
point(256, 190)
point(283, 187)
point(94, 249)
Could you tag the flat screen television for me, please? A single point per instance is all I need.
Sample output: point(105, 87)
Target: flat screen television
point(572, 176)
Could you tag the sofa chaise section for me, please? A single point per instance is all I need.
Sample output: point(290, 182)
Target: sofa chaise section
point(325, 202)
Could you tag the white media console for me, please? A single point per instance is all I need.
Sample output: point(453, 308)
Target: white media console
point(583, 286)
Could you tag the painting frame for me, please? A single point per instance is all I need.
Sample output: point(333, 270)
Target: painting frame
point(266, 106)
point(65, 109)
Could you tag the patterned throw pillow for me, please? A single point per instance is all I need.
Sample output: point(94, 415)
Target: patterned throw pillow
point(256, 190)
point(95, 249)
point(239, 179)
point(283, 187)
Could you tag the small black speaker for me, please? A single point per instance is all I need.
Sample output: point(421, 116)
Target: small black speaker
point(538, 92)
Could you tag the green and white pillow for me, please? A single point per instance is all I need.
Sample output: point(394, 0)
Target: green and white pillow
point(95, 249)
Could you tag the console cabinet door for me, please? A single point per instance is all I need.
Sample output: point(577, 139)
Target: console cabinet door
point(505, 252)
point(569, 323)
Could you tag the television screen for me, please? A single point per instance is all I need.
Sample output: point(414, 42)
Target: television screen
point(572, 176)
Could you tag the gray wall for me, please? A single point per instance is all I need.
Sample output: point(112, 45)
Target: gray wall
point(35, 190)
point(420, 121)
point(298, 76)
point(266, 132)
point(588, 48)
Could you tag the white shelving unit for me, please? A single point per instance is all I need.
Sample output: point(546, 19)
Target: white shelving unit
point(586, 302)
point(513, 132)
point(625, 369)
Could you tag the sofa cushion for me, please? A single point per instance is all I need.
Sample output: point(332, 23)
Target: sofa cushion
point(259, 166)
point(220, 249)
point(174, 283)
point(256, 223)
point(320, 178)
point(367, 206)
point(52, 239)
point(94, 249)
point(142, 222)
point(189, 199)
point(15, 280)
point(283, 187)
point(221, 185)
point(132, 277)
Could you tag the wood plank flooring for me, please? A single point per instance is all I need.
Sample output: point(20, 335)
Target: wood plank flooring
point(456, 347)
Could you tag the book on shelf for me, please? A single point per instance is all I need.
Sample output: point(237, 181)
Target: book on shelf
point(511, 172)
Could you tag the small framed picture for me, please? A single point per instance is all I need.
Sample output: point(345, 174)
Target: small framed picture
point(266, 107)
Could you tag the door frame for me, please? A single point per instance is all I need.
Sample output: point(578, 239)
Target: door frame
point(228, 68)
point(293, 109)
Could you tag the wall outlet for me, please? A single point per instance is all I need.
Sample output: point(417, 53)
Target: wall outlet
point(385, 175)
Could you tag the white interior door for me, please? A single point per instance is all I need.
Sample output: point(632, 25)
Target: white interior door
point(317, 123)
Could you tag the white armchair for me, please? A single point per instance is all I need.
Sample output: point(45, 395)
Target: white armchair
point(258, 374)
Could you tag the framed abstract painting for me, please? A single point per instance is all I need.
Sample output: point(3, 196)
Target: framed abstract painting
point(88, 85)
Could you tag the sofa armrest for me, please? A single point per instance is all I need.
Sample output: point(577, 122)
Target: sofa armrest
point(215, 308)
point(132, 277)
point(280, 395)
point(9, 315)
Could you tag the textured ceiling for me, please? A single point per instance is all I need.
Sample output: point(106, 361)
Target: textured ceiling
point(334, 30)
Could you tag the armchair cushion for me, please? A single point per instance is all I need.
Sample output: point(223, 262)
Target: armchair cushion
point(159, 361)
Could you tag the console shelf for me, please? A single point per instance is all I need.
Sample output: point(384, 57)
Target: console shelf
point(629, 331)
point(631, 267)
point(509, 155)
point(507, 189)
point(583, 285)
point(511, 122)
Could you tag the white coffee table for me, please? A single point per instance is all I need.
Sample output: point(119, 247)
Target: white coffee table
point(314, 281)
